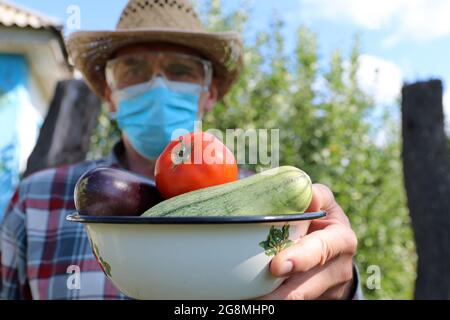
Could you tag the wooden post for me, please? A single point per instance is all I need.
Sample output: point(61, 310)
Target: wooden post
point(426, 161)
point(66, 132)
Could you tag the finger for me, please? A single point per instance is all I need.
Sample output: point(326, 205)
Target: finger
point(314, 283)
point(338, 292)
point(314, 249)
point(322, 197)
point(323, 200)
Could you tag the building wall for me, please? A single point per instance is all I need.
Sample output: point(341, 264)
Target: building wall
point(19, 123)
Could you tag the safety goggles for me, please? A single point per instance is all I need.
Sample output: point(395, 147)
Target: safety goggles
point(134, 69)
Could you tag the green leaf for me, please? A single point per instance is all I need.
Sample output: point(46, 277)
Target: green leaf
point(106, 266)
point(264, 245)
point(276, 240)
point(285, 232)
point(271, 252)
point(287, 244)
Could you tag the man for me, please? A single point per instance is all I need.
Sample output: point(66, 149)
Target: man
point(159, 71)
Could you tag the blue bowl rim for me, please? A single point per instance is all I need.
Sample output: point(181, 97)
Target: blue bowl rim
point(194, 220)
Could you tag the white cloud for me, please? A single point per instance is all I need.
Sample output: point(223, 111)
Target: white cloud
point(380, 78)
point(383, 80)
point(412, 19)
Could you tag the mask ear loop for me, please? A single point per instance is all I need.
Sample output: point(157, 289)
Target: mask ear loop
point(208, 75)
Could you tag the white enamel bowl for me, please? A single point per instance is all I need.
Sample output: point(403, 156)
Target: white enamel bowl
point(218, 258)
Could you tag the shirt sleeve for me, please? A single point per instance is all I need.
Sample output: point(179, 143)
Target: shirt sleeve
point(357, 293)
point(14, 282)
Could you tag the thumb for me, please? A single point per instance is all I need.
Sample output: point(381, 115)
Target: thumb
point(322, 198)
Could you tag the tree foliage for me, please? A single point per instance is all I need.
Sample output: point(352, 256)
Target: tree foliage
point(328, 127)
point(106, 134)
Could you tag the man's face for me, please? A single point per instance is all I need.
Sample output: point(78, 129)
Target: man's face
point(206, 100)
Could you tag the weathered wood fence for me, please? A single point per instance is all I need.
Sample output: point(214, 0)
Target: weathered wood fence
point(67, 129)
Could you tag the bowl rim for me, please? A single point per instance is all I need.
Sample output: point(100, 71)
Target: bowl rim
point(193, 220)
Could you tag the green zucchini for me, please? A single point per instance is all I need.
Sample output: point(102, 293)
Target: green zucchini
point(279, 191)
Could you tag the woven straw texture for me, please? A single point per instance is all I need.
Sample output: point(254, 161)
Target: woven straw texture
point(144, 21)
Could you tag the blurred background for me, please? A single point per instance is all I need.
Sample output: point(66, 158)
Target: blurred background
point(328, 73)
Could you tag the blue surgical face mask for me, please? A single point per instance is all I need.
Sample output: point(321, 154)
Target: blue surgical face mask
point(154, 114)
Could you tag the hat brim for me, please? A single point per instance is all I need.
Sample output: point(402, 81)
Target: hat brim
point(90, 51)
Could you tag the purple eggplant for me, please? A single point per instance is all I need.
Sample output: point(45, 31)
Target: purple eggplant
point(106, 191)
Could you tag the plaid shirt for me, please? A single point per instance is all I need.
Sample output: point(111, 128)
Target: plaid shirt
point(39, 248)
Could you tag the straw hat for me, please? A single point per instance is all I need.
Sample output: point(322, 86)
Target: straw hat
point(143, 21)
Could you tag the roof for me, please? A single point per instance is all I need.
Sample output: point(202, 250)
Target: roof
point(40, 39)
point(15, 15)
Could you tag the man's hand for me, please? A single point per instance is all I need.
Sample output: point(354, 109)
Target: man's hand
point(320, 264)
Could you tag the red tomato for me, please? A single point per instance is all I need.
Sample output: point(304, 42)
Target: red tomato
point(196, 161)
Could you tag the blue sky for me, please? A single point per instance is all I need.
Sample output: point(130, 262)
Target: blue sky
point(405, 40)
